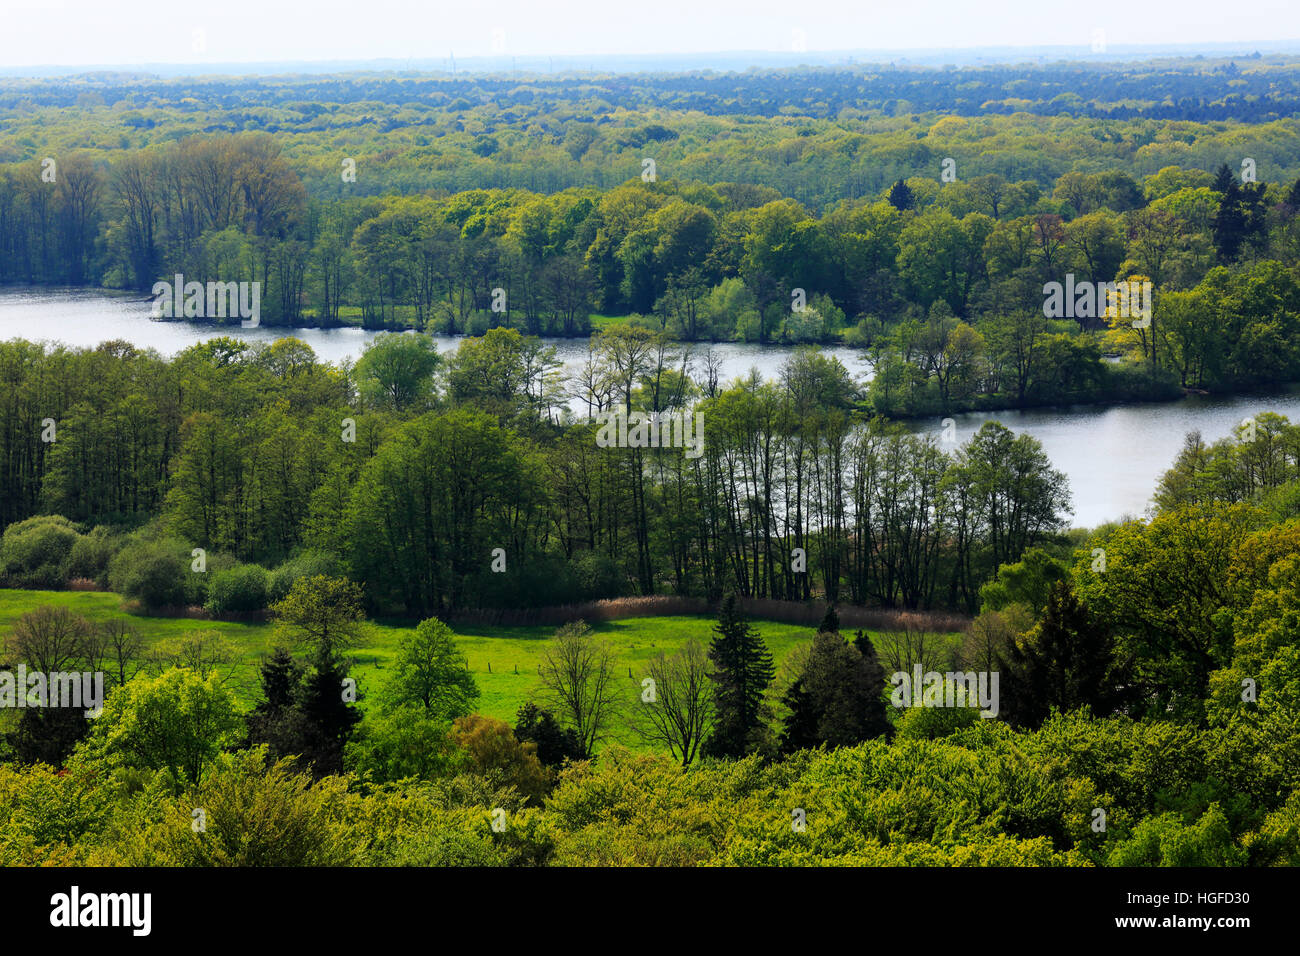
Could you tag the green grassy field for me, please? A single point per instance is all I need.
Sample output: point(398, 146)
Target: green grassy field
point(504, 660)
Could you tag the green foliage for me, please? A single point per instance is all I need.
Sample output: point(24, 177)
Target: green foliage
point(252, 814)
point(742, 671)
point(154, 572)
point(431, 674)
point(36, 553)
point(396, 371)
point(1162, 592)
point(1168, 840)
point(307, 564)
point(242, 588)
point(1027, 582)
point(176, 722)
point(322, 614)
point(403, 743)
point(493, 750)
point(1067, 661)
point(837, 700)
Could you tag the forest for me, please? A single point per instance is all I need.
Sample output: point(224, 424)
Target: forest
point(412, 471)
point(418, 608)
point(928, 240)
point(1148, 716)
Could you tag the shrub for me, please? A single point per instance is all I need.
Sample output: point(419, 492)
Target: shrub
point(92, 553)
point(253, 815)
point(34, 553)
point(307, 564)
point(155, 573)
point(242, 588)
point(493, 749)
point(405, 743)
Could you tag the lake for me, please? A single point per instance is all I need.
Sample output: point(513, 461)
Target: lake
point(1113, 456)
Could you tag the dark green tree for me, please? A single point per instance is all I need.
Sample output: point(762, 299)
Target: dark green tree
point(329, 715)
point(800, 732)
point(838, 700)
point(1223, 178)
point(1066, 662)
point(276, 720)
point(742, 672)
point(555, 744)
point(1229, 226)
point(900, 196)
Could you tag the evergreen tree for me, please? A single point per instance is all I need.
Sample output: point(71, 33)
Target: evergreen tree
point(47, 734)
point(742, 672)
point(800, 731)
point(330, 718)
point(875, 715)
point(900, 196)
point(1293, 197)
point(830, 621)
point(276, 721)
point(1223, 179)
point(1254, 215)
point(1067, 661)
point(555, 744)
point(1229, 226)
point(304, 712)
point(281, 679)
point(838, 700)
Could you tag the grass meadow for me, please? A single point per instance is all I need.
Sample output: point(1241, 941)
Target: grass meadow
point(503, 658)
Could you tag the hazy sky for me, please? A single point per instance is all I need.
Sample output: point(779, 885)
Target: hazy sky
point(68, 32)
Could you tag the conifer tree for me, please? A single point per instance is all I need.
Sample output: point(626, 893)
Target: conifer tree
point(1066, 662)
point(742, 672)
point(838, 700)
point(900, 196)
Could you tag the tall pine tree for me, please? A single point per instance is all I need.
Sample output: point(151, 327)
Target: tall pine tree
point(742, 672)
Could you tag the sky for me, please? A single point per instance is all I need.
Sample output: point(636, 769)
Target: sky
point(127, 32)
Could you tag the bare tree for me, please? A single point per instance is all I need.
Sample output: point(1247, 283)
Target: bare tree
point(991, 636)
point(49, 639)
point(204, 652)
point(710, 380)
point(116, 649)
point(677, 709)
point(909, 644)
point(577, 673)
point(591, 384)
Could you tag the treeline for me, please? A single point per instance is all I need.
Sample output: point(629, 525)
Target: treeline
point(1215, 89)
point(945, 282)
point(451, 484)
point(412, 135)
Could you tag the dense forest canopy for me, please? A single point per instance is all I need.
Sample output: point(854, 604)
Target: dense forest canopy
point(815, 135)
point(1149, 671)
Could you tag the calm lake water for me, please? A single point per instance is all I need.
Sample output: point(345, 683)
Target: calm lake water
point(81, 317)
point(1113, 456)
